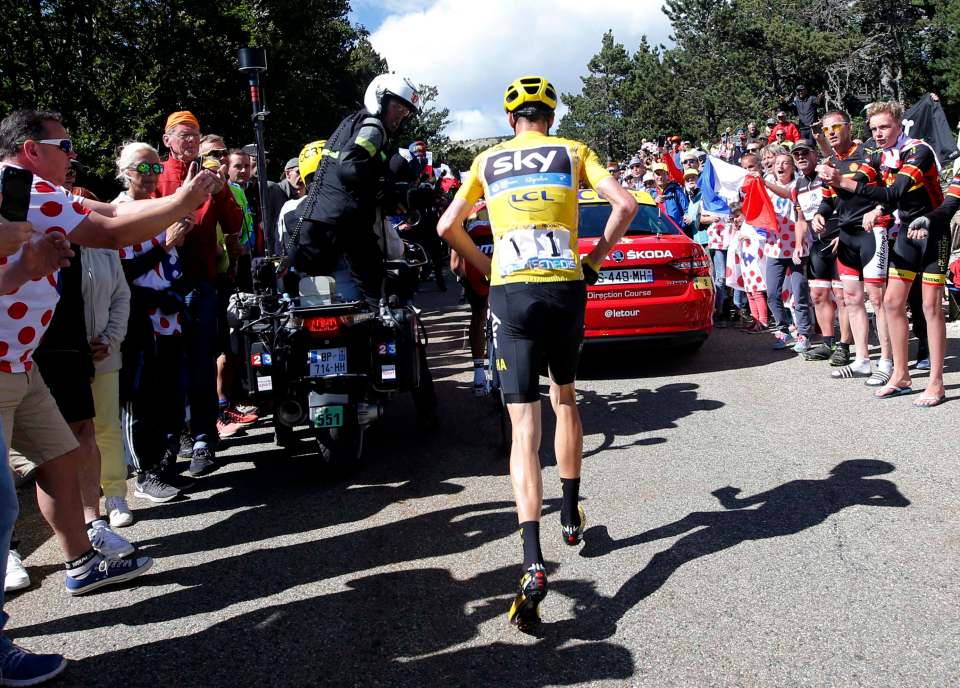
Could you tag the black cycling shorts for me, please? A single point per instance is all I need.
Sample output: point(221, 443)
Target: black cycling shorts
point(476, 301)
point(822, 266)
point(536, 324)
point(928, 257)
point(862, 256)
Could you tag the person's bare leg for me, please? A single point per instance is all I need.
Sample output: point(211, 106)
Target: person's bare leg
point(895, 306)
point(857, 312)
point(88, 468)
point(824, 309)
point(478, 334)
point(223, 382)
point(58, 495)
point(936, 336)
point(525, 459)
point(875, 293)
point(568, 442)
point(846, 335)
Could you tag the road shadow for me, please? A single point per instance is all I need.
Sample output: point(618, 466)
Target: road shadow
point(394, 629)
point(782, 511)
point(725, 349)
point(622, 414)
point(212, 586)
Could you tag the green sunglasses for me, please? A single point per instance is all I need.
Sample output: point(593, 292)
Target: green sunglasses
point(147, 168)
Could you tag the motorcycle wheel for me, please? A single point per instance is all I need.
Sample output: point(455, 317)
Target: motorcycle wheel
point(339, 448)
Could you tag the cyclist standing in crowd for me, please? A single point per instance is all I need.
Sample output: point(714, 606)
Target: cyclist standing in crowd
point(537, 299)
point(907, 170)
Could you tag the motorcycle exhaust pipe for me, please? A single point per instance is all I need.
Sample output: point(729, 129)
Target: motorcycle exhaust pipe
point(291, 412)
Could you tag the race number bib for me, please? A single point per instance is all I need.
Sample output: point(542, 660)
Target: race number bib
point(809, 202)
point(533, 249)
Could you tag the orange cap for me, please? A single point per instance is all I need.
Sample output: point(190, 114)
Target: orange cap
point(182, 117)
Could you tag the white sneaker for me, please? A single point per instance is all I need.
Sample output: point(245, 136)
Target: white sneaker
point(108, 543)
point(118, 511)
point(17, 577)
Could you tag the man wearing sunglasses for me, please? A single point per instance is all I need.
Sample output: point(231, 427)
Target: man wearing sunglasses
point(861, 253)
point(36, 141)
point(199, 255)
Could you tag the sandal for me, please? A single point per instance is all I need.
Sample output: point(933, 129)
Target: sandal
point(878, 379)
point(894, 391)
point(929, 401)
point(847, 372)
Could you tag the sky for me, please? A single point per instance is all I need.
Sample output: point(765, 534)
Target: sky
point(471, 50)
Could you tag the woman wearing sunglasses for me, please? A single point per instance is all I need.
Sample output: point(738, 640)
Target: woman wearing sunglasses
point(152, 394)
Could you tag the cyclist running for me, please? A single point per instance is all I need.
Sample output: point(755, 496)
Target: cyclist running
point(861, 247)
point(910, 184)
point(537, 299)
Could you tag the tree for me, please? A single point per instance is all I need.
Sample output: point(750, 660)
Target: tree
point(116, 68)
point(597, 114)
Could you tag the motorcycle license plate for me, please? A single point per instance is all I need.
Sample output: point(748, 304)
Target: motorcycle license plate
point(327, 361)
point(327, 416)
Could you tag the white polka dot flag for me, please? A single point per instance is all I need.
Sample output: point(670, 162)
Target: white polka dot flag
point(26, 311)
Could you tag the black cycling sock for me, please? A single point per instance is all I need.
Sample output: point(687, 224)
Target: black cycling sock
point(530, 536)
point(571, 494)
point(829, 341)
point(844, 345)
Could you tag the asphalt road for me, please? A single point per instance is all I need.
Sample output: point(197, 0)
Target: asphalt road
point(832, 563)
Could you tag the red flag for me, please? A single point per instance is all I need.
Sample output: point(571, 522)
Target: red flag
point(757, 208)
point(675, 173)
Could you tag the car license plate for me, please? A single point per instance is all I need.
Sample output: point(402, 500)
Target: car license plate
point(327, 361)
point(327, 416)
point(633, 276)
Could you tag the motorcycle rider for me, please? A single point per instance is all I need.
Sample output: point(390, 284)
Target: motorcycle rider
point(350, 187)
point(341, 216)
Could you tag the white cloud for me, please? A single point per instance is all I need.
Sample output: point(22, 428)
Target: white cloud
point(472, 50)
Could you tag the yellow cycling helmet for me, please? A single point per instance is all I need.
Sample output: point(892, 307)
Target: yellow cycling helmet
point(527, 90)
point(309, 159)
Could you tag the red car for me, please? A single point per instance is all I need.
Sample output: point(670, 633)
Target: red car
point(655, 284)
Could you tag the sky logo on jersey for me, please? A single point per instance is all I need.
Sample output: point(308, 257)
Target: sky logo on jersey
point(514, 169)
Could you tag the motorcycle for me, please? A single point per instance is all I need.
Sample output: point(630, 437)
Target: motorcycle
point(328, 364)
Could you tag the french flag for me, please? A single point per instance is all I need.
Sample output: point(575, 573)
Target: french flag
point(720, 184)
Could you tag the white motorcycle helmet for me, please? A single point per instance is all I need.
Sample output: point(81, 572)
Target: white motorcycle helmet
point(390, 85)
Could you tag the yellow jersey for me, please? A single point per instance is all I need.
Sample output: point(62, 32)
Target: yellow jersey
point(530, 185)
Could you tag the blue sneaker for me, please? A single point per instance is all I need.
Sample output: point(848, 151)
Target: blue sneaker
point(18, 667)
point(108, 572)
point(923, 364)
point(785, 340)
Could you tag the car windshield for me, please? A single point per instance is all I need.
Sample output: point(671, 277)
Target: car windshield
point(649, 220)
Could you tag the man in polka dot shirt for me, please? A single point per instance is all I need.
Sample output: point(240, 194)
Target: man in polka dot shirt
point(32, 423)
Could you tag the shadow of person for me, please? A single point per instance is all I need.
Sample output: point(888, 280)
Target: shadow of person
point(416, 627)
point(212, 586)
point(784, 510)
point(618, 414)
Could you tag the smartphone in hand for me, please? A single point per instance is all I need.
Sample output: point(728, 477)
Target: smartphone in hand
point(15, 185)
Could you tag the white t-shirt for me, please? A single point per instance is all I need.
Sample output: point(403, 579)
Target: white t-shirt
point(25, 312)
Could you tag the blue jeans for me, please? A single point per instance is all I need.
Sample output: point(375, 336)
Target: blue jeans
point(719, 257)
point(9, 507)
point(200, 331)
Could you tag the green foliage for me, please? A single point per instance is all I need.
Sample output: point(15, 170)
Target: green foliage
point(116, 68)
point(735, 61)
